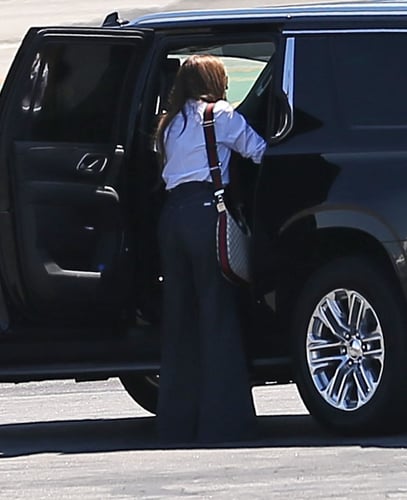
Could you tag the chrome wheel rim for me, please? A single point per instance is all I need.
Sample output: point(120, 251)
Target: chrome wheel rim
point(345, 349)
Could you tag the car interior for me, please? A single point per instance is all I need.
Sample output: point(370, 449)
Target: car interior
point(86, 182)
point(250, 70)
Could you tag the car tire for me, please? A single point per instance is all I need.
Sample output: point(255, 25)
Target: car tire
point(143, 389)
point(349, 348)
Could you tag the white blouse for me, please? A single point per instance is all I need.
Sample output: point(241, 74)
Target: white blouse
point(186, 157)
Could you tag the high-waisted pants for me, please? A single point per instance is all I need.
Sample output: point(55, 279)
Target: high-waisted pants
point(204, 390)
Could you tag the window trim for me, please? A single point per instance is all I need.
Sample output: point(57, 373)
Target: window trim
point(287, 88)
point(344, 31)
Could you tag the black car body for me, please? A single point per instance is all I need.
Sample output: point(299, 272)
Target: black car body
point(80, 197)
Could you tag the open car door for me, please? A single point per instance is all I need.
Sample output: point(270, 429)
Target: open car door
point(65, 125)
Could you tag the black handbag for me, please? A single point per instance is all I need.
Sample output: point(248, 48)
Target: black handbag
point(232, 232)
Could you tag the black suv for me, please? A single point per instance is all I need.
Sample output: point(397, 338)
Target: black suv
point(80, 197)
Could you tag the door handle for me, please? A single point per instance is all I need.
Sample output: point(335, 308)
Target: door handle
point(91, 163)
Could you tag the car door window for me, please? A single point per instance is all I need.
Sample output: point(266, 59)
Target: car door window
point(66, 165)
point(249, 68)
point(244, 63)
point(371, 80)
point(242, 73)
point(73, 91)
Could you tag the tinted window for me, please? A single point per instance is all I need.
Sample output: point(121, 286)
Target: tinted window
point(371, 79)
point(73, 92)
point(314, 111)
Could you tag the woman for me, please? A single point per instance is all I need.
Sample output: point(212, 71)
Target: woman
point(204, 389)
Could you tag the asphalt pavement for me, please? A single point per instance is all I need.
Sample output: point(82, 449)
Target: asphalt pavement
point(63, 440)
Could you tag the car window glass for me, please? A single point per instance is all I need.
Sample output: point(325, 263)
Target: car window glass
point(314, 112)
point(244, 64)
point(371, 79)
point(73, 91)
point(242, 74)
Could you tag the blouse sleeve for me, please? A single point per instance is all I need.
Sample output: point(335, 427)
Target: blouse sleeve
point(233, 131)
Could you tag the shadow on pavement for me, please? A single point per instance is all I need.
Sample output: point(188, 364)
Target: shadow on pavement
point(93, 436)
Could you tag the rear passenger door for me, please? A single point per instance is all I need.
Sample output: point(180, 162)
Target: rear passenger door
point(65, 122)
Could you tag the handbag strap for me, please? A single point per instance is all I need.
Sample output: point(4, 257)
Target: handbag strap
point(213, 159)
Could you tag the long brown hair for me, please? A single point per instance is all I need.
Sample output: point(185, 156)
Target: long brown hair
point(200, 77)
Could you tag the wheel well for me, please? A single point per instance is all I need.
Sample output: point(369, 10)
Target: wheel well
point(306, 252)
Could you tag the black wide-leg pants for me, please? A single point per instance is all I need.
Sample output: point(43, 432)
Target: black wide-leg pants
point(204, 391)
